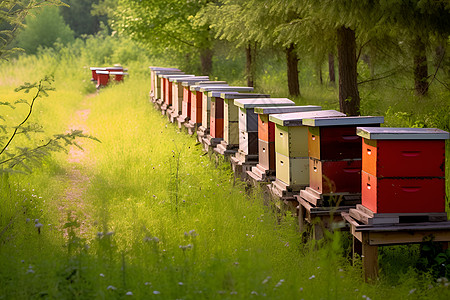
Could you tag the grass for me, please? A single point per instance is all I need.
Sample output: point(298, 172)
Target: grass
point(148, 226)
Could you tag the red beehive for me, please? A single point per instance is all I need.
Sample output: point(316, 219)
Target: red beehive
point(102, 78)
point(403, 169)
point(216, 120)
point(334, 151)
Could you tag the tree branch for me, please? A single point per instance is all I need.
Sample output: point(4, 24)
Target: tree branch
point(26, 118)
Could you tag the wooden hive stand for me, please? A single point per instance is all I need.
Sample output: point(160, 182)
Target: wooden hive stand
point(367, 238)
point(334, 151)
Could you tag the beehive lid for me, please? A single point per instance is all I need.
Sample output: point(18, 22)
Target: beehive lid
point(163, 69)
point(118, 73)
point(237, 95)
point(225, 88)
point(390, 133)
point(261, 102)
point(161, 72)
point(285, 109)
point(102, 72)
point(342, 121)
point(97, 68)
point(199, 86)
point(170, 77)
point(193, 79)
point(296, 118)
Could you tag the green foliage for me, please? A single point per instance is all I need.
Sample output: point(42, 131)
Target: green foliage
point(166, 27)
point(12, 15)
point(24, 156)
point(43, 30)
point(79, 18)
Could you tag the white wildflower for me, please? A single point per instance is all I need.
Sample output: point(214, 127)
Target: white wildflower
point(254, 293)
point(312, 277)
point(412, 291)
point(102, 275)
point(129, 294)
point(110, 287)
point(156, 292)
point(266, 280)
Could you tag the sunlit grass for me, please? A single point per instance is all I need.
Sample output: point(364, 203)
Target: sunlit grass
point(155, 228)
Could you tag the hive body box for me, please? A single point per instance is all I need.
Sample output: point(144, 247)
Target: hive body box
point(169, 94)
point(403, 170)
point(153, 77)
point(156, 88)
point(187, 96)
point(217, 109)
point(231, 115)
point(178, 95)
point(334, 151)
point(197, 101)
point(291, 147)
point(248, 124)
point(265, 169)
point(102, 78)
point(94, 72)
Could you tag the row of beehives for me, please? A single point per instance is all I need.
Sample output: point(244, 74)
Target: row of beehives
point(102, 75)
point(309, 156)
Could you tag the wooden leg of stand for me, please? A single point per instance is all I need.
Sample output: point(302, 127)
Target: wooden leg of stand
point(301, 218)
point(356, 249)
point(369, 259)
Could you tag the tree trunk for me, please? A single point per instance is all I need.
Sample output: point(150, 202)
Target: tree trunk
point(250, 64)
point(292, 71)
point(331, 71)
point(206, 61)
point(349, 100)
point(420, 68)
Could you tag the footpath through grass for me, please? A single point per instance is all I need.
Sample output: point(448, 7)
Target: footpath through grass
point(156, 218)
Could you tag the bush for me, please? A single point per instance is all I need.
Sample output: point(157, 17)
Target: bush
point(43, 30)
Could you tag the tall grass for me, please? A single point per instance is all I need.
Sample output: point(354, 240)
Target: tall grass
point(157, 218)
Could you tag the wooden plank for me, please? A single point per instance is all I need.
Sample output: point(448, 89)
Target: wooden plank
point(285, 109)
point(369, 259)
point(252, 103)
point(396, 133)
point(342, 121)
point(296, 119)
point(407, 237)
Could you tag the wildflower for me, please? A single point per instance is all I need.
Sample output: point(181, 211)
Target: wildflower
point(148, 283)
point(27, 220)
point(129, 294)
point(99, 234)
point(356, 290)
point(110, 287)
point(412, 291)
point(287, 244)
point(312, 277)
point(301, 289)
point(110, 233)
point(156, 292)
point(180, 283)
point(254, 293)
point(36, 221)
point(266, 280)
point(102, 275)
point(279, 283)
point(233, 293)
point(30, 270)
point(38, 226)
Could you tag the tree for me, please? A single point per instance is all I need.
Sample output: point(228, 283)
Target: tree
point(43, 30)
point(79, 18)
point(248, 22)
point(167, 26)
point(12, 15)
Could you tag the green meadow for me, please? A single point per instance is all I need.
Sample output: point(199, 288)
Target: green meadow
point(143, 213)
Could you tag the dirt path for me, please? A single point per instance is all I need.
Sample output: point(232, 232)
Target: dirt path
point(73, 205)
